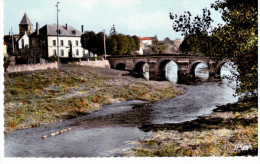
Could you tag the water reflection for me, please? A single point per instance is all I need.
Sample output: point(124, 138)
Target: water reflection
point(145, 69)
point(227, 73)
point(202, 72)
point(171, 72)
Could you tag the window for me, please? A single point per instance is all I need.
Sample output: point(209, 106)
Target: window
point(83, 52)
point(61, 52)
point(60, 31)
point(54, 42)
point(54, 53)
point(22, 43)
point(77, 43)
point(69, 42)
point(77, 52)
point(61, 42)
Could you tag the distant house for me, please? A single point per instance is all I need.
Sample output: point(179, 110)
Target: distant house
point(43, 42)
point(145, 43)
point(177, 43)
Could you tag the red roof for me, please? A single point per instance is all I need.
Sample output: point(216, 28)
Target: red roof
point(145, 38)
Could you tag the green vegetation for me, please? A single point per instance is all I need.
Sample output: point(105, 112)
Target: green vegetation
point(116, 44)
point(236, 40)
point(48, 96)
point(231, 130)
point(156, 48)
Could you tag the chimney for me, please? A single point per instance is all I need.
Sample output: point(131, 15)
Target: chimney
point(66, 26)
point(37, 28)
point(82, 28)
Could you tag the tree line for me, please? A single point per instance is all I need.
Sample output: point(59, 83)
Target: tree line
point(116, 44)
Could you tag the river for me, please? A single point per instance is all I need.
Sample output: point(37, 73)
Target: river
point(116, 127)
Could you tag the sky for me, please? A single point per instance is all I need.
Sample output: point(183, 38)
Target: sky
point(131, 17)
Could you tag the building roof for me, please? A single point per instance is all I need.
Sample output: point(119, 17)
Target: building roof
point(25, 20)
point(51, 30)
point(178, 39)
point(145, 38)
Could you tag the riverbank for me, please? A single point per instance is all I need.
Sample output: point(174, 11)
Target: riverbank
point(231, 130)
point(48, 96)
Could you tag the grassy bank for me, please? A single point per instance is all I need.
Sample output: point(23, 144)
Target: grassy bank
point(232, 130)
point(48, 96)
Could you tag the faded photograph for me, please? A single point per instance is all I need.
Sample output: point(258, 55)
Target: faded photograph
point(130, 78)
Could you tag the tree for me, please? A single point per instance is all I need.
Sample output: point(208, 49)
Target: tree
point(122, 44)
point(93, 42)
point(89, 41)
point(119, 44)
point(113, 30)
point(137, 42)
point(157, 48)
point(100, 43)
point(111, 44)
point(236, 40)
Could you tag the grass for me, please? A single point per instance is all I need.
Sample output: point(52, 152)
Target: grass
point(43, 97)
point(231, 130)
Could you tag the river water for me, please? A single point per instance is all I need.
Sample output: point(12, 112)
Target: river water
point(115, 128)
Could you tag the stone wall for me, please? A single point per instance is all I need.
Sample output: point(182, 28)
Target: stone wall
point(102, 63)
point(31, 67)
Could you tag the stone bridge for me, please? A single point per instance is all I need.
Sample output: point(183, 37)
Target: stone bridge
point(155, 65)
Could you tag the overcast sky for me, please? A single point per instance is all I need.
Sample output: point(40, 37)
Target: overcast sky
point(140, 17)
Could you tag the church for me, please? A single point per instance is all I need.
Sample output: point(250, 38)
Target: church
point(16, 42)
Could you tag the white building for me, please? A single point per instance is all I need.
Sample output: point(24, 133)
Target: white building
point(44, 42)
point(145, 42)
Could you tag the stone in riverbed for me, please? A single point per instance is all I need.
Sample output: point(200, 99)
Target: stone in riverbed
point(113, 101)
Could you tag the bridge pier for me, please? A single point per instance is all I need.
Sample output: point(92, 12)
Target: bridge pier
point(213, 76)
point(153, 71)
point(185, 78)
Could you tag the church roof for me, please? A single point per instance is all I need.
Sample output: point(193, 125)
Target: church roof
point(25, 20)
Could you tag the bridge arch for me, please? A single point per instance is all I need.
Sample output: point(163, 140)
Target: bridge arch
point(162, 62)
point(120, 66)
point(219, 66)
point(141, 67)
point(116, 63)
point(194, 64)
point(168, 70)
point(192, 68)
point(137, 64)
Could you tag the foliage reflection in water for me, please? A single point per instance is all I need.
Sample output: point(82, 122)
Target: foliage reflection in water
point(228, 74)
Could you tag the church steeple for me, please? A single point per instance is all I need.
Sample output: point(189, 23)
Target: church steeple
point(25, 25)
